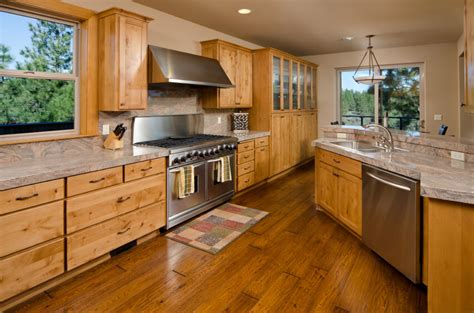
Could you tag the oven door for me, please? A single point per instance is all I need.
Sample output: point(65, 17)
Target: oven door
point(214, 188)
point(179, 210)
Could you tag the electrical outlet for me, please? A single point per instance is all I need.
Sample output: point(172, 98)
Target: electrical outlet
point(219, 120)
point(457, 155)
point(341, 135)
point(105, 129)
point(438, 117)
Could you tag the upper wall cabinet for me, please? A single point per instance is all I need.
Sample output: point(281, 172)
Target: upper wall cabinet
point(469, 54)
point(122, 61)
point(237, 64)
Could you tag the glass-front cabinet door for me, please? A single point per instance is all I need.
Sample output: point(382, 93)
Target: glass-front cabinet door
point(308, 84)
point(286, 84)
point(314, 101)
point(294, 86)
point(301, 88)
point(276, 78)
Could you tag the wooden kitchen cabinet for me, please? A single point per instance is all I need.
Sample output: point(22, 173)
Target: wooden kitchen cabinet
point(262, 160)
point(123, 42)
point(298, 149)
point(339, 188)
point(252, 162)
point(280, 143)
point(237, 64)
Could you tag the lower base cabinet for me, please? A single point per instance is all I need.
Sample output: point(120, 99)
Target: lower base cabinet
point(32, 267)
point(253, 158)
point(339, 188)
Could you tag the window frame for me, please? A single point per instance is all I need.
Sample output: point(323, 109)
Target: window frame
point(74, 76)
point(420, 65)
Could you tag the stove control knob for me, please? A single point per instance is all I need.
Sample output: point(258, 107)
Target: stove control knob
point(201, 153)
point(215, 150)
point(182, 159)
point(222, 147)
point(233, 147)
point(211, 151)
point(206, 153)
point(195, 153)
point(189, 155)
point(175, 161)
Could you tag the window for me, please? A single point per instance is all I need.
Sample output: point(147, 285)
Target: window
point(38, 76)
point(398, 97)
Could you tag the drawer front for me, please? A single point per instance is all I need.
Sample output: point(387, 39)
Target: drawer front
point(144, 169)
point(245, 168)
point(245, 146)
point(95, 207)
point(245, 181)
point(30, 268)
point(341, 162)
point(23, 197)
point(94, 180)
point(245, 157)
point(90, 243)
point(261, 142)
point(27, 228)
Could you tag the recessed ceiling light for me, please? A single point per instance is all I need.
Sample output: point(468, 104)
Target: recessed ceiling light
point(244, 11)
point(348, 38)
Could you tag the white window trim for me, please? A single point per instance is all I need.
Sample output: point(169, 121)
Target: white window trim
point(421, 65)
point(74, 76)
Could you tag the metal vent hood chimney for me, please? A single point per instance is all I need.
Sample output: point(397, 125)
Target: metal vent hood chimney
point(167, 66)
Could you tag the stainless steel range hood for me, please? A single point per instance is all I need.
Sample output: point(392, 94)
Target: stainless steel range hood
point(167, 66)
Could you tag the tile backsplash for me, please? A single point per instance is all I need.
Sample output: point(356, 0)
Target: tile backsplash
point(170, 101)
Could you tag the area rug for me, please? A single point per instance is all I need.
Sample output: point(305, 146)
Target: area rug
point(214, 230)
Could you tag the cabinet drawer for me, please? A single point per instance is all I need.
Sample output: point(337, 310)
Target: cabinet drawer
point(25, 270)
point(341, 162)
point(245, 157)
point(92, 242)
point(245, 146)
point(245, 181)
point(245, 168)
point(94, 180)
point(27, 228)
point(144, 169)
point(95, 207)
point(23, 197)
point(261, 142)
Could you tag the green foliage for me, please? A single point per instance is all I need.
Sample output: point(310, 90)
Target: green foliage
point(27, 100)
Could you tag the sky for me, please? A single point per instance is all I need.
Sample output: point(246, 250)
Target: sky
point(349, 83)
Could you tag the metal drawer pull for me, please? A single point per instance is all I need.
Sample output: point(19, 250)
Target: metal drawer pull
point(246, 168)
point(247, 180)
point(146, 169)
point(389, 182)
point(97, 180)
point(337, 175)
point(27, 197)
point(122, 199)
point(123, 231)
point(336, 161)
point(246, 156)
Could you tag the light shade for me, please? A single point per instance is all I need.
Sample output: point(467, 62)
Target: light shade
point(369, 79)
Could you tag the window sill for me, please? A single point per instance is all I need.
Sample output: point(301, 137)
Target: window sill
point(33, 140)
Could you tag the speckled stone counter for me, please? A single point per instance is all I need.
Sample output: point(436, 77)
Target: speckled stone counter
point(34, 170)
point(249, 135)
point(440, 178)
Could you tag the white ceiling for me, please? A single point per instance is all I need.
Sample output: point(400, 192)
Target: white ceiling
point(307, 27)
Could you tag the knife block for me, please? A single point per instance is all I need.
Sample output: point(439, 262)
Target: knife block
point(113, 142)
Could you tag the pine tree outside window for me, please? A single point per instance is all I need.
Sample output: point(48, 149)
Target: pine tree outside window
point(38, 76)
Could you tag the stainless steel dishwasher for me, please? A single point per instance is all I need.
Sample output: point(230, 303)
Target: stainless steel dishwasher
point(391, 219)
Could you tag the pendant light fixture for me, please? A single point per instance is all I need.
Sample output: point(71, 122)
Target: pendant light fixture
point(375, 73)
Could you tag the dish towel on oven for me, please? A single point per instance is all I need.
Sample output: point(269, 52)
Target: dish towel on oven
point(224, 172)
point(186, 181)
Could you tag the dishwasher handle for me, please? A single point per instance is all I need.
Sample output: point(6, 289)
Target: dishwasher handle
point(389, 182)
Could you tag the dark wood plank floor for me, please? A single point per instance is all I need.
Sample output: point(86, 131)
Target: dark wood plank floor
point(295, 260)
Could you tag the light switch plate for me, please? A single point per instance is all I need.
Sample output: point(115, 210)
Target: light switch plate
point(105, 129)
point(457, 155)
point(341, 135)
point(438, 117)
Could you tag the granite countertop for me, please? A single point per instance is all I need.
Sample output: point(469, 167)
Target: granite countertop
point(34, 170)
point(248, 135)
point(440, 178)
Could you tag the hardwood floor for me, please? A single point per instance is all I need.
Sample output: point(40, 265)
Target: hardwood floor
point(295, 260)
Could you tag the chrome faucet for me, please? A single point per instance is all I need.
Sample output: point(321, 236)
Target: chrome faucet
point(385, 142)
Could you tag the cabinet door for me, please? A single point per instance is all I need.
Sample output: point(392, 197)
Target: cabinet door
point(309, 134)
point(327, 187)
point(349, 208)
point(294, 86)
point(244, 80)
point(280, 152)
point(276, 83)
point(133, 66)
point(286, 84)
point(298, 149)
point(314, 89)
point(301, 87)
point(228, 61)
point(262, 158)
point(308, 84)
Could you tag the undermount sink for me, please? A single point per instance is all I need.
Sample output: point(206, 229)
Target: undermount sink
point(362, 146)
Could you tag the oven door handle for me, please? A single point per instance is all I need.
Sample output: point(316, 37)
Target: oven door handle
point(177, 170)
point(213, 161)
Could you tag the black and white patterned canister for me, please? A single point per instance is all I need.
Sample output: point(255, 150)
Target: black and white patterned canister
point(240, 122)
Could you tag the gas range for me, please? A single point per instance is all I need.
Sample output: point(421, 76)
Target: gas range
point(185, 150)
